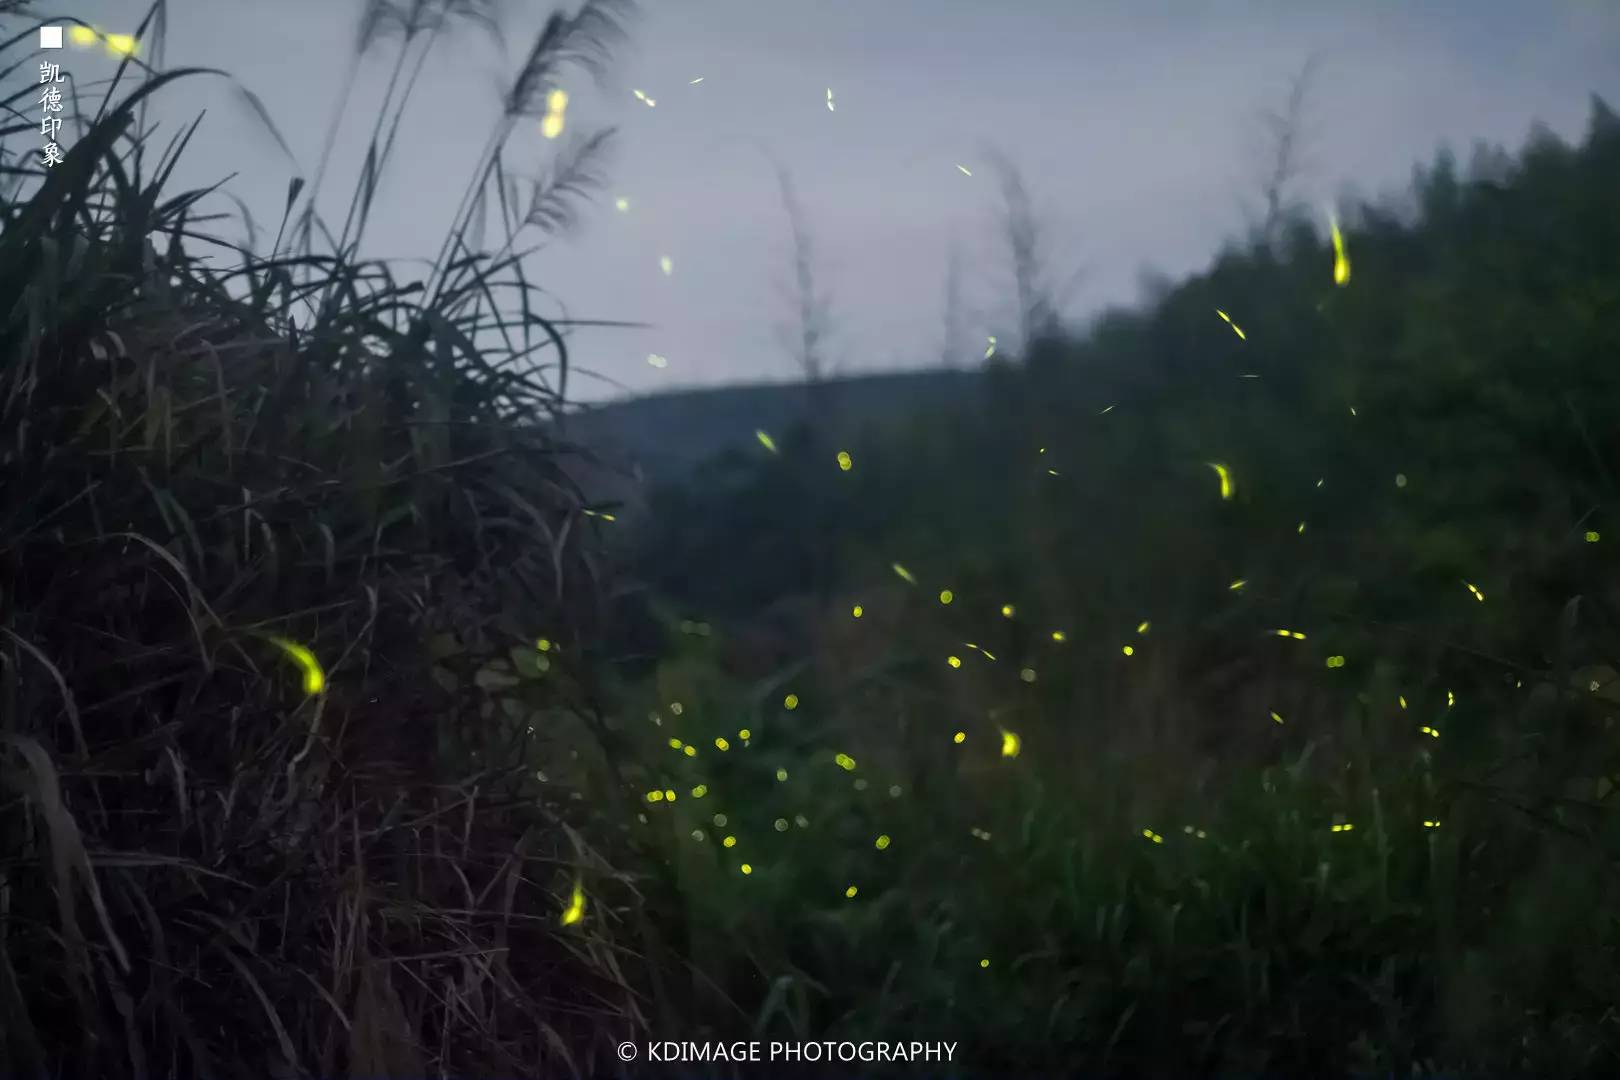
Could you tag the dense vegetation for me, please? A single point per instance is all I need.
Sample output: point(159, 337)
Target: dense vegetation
point(1187, 702)
point(1404, 617)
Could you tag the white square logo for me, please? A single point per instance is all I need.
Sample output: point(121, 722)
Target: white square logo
point(50, 37)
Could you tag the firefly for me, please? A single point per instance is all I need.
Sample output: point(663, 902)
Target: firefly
point(314, 677)
point(1011, 744)
point(1341, 261)
point(576, 906)
point(1238, 330)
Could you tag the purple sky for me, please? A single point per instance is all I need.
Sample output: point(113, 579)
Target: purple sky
point(1135, 124)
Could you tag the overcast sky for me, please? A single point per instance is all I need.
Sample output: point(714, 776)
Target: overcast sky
point(1134, 121)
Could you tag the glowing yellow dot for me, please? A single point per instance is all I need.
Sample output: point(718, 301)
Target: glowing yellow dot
point(730, 841)
point(954, 661)
point(781, 775)
point(621, 204)
point(1301, 529)
point(1238, 584)
point(544, 644)
point(1011, 744)
point(790, 702)
point(1028, 674)
point(1335, 661)
point(675, 744)
point(1007, 611)
point(946, 596)
point(551, 125)
point(781, 824)
point(857, 611)
point(81, 35)
point(1128, 650)
point(845, 762)
point(700, 791)
point(655, 796)
point(745, 734)
point(1059, 636)
point(883, 842)
point(689, 750)
point(1591, 536)
point(959, 737)
point(850, 892)
point(984, 963)
point(669, 795)
point(845, 462)
point(722, 742)
point(1143, 626)
point(747, 869)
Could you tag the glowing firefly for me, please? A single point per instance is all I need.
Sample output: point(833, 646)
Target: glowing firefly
point(314, 677)
point(556, 104)
point(1341, 261)
point(576, 906)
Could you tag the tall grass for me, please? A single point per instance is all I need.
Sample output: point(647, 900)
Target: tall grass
point(218, 859)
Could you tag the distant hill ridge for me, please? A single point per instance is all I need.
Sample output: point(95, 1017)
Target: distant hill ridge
point(665, 437)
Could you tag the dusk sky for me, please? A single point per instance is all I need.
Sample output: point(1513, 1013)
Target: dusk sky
point(1135, 123)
